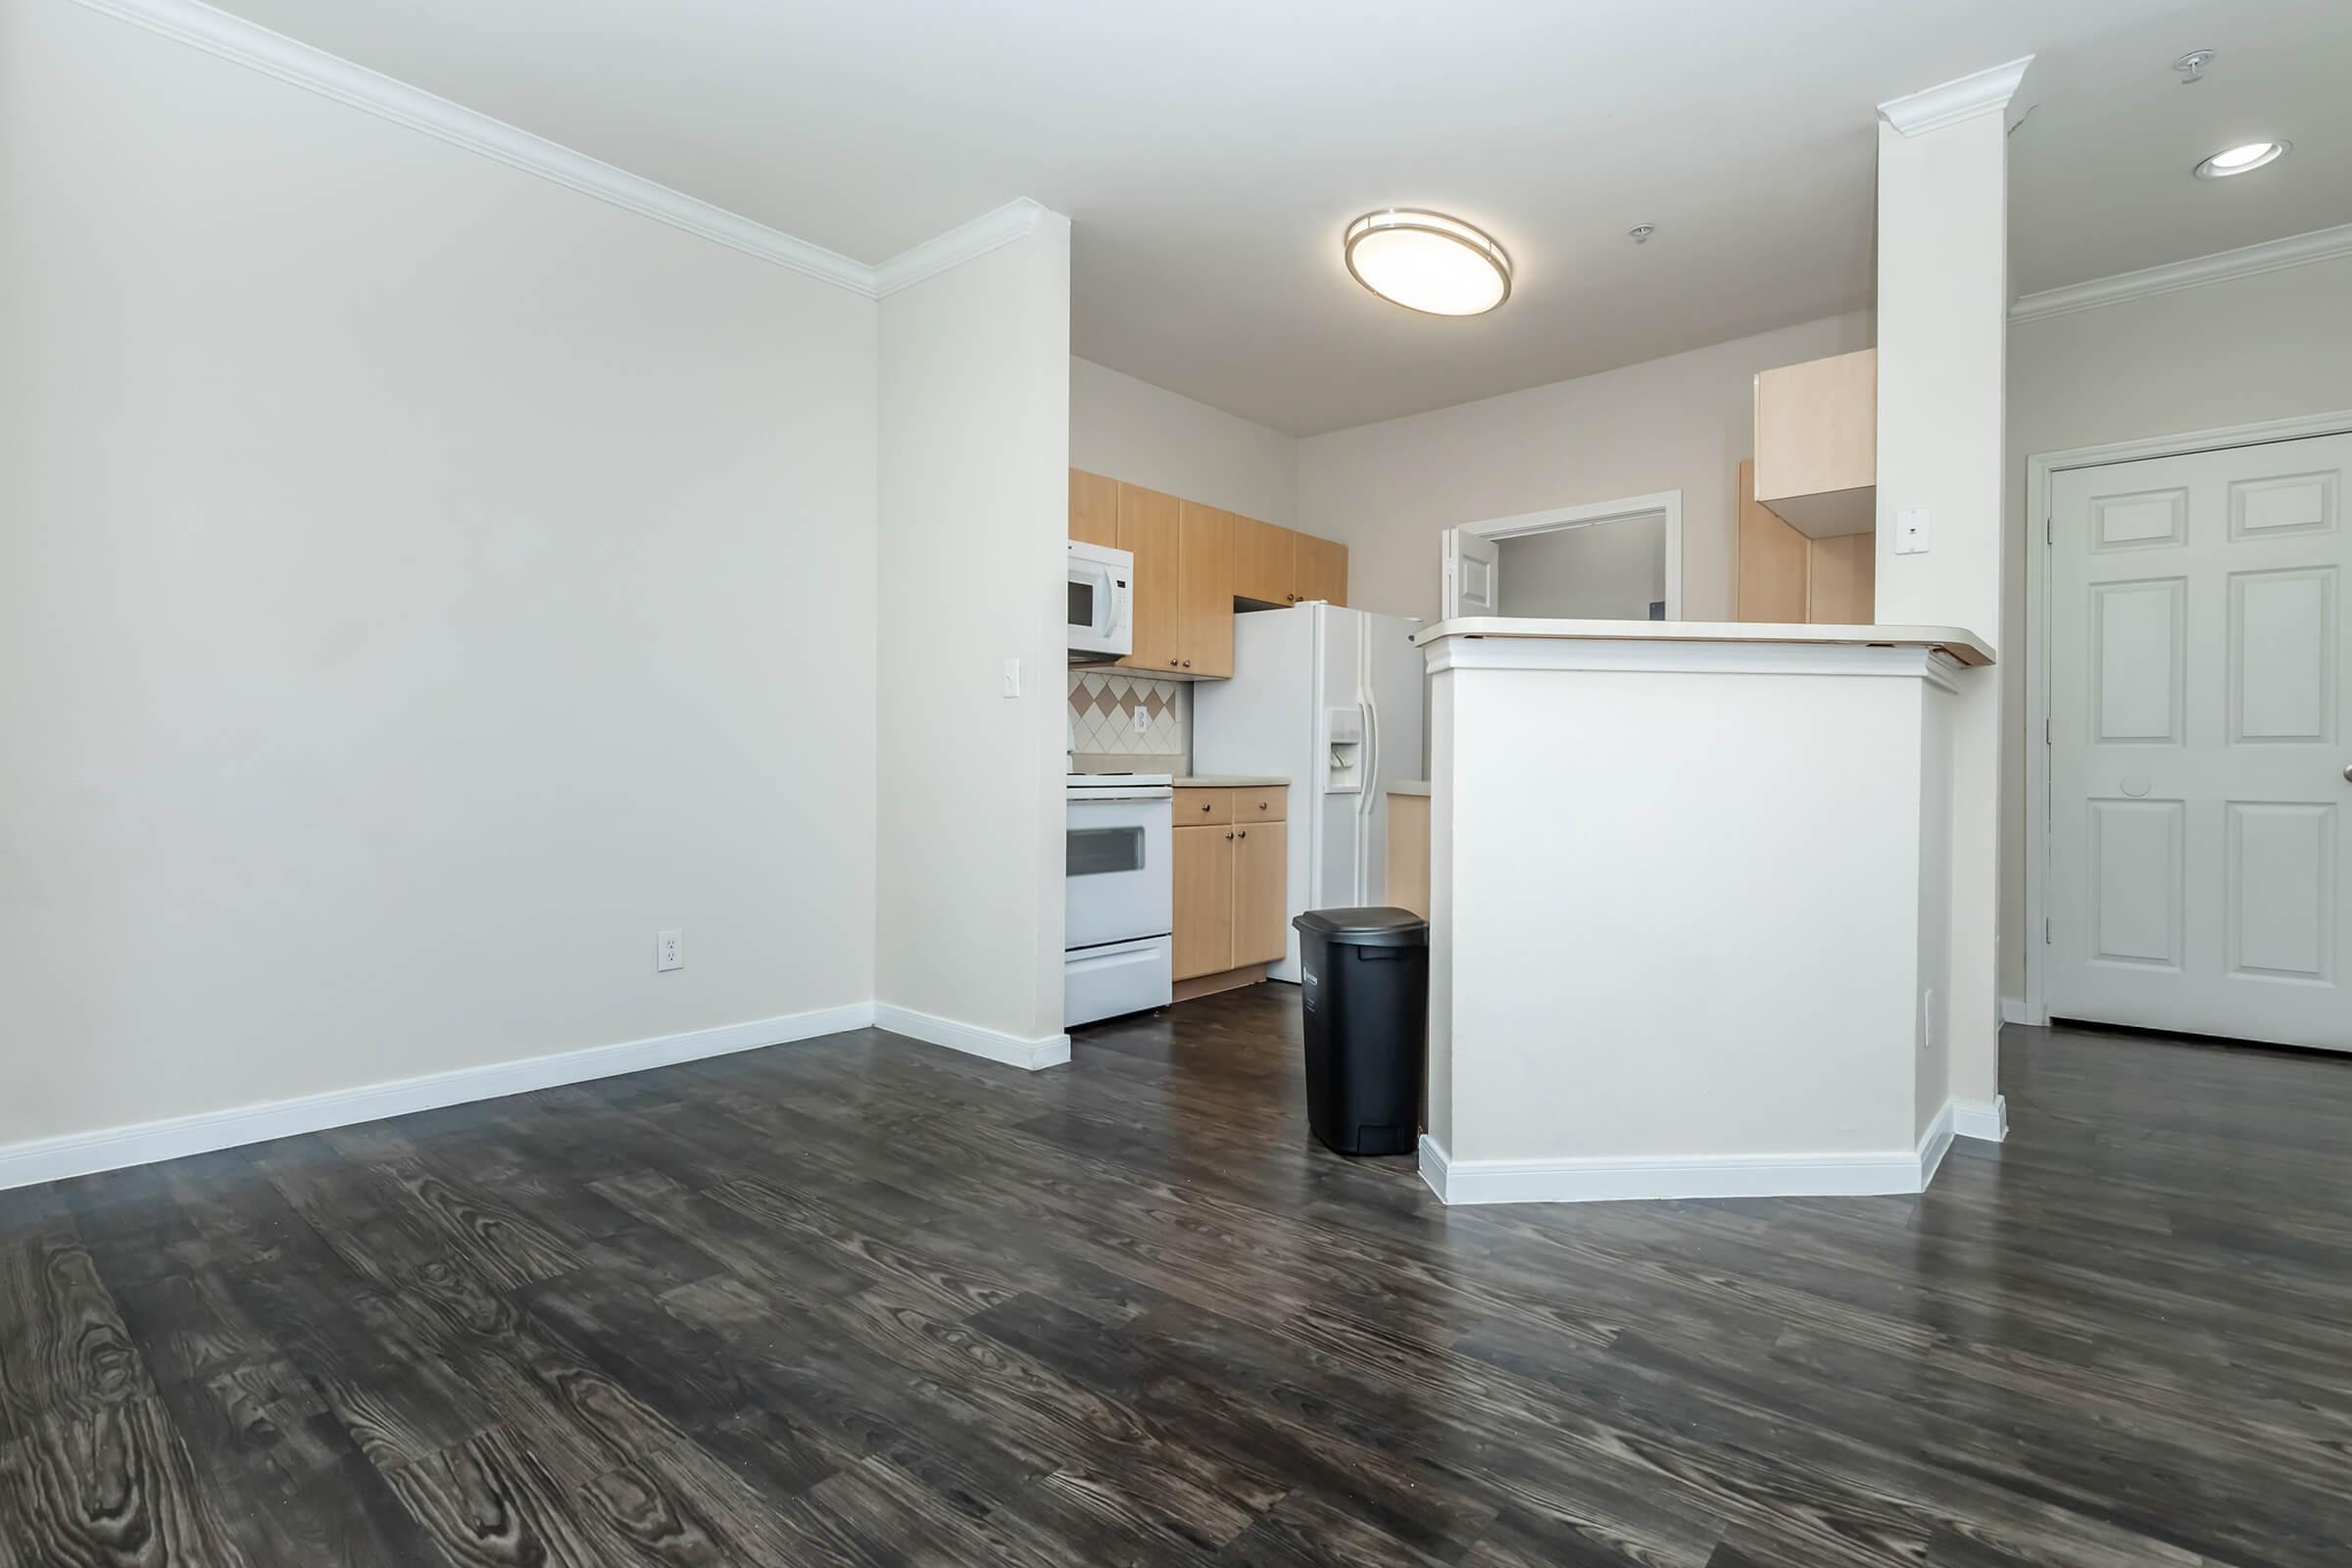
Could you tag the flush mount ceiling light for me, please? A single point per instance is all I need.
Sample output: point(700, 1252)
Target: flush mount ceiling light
point(1428, 262)
point(2242, 160)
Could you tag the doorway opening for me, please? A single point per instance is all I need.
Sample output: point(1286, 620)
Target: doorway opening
point(1606, 560)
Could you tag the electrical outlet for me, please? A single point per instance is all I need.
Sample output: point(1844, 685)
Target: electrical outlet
point(670, 950)
point(1143, 722)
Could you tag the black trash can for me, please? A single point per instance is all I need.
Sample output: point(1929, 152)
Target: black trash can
point(1365, 992)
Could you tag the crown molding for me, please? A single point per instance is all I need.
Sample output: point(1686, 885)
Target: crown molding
point(2250, 261)
point(274, 54)
point(1949, 103)
point(934, 256)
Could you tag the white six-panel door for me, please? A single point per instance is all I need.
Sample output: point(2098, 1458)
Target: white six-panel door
point(2200, 870)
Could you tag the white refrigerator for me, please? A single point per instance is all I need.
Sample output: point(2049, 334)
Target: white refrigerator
point(1329, 699)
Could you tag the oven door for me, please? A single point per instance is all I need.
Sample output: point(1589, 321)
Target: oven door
point(1118, 858)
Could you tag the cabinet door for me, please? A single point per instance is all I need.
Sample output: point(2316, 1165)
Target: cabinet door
point(1264, 563)
point(1322, 570)
point(1262, 864)
point(1147, 531)
point(1204, 592)
point(1204, 872)
point(1094, 510)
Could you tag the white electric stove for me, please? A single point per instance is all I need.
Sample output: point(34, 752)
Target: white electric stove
point(1121, 894)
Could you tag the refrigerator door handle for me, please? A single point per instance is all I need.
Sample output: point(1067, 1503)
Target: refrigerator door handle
point(1365, 801)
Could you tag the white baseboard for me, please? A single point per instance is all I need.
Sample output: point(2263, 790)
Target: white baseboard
point(110, 1149)
point(2015, 1010)
point(1049, 1051)
point(1612, 1179)
point(1978, 1120)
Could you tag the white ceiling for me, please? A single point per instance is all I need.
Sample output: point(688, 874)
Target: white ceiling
point(1209, 154)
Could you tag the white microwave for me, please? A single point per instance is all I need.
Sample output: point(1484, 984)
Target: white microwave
point(1102, 603)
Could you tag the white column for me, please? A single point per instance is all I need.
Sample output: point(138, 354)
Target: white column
point(1943, 308)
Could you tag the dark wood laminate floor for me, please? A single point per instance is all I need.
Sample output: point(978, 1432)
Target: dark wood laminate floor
point(864, 1302)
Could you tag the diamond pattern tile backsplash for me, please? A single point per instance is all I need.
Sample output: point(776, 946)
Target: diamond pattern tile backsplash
point(1103, 705)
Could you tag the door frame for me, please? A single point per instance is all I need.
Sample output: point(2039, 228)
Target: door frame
point(1666, 504)
point(2042, 473)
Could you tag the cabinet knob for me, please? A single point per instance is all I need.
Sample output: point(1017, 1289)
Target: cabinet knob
point(1261, 806)
point(1204, 806)
point(1229, 835)
point(1188, 663)
point(1245, 833)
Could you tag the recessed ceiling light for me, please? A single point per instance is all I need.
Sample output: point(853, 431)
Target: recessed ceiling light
point(2241, 160)
point(1428, 262)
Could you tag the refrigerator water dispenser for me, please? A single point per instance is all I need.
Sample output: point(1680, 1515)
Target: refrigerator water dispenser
point(1343, 772)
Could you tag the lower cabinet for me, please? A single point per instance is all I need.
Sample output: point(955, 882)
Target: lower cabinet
point(1232, 877)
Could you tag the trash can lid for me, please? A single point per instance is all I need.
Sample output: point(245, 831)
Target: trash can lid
point(1367, 928)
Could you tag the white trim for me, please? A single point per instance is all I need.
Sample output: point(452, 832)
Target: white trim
point(1948, 103)
point(2041, 471)
point(2247, 261)
point(1049, 1050)
point(80, 1153)
point(1613, 1179)
point(1688, 658)
point(1935, 1144)
point(936, 255)
point(2015, 1010)
point(1987, 1122)
point(300, 65)
point(1666, 504)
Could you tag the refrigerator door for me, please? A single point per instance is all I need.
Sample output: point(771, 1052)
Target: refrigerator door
point(1264, 720)
point(1342, 747)
point(1396, 677)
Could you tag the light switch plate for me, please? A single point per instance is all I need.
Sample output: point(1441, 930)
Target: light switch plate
point(1012, 677)
point(1911, 531)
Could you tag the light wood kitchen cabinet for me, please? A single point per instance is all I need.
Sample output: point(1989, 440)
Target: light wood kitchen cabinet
point(1817, 435)
point(1204, 591)
point(1094, 510)
point(1203, 908)
point(1409, 853)
point(1150, 530)
point(1193, 563)
point(1262, 869)
point(1321, 571)
point(1775, 559)
point(1785, 577)
point(1232, 876)
point(1264, 561)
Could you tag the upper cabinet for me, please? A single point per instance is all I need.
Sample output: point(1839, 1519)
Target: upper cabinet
point(1263, 556)
point(1817, 434)
point(1094, 510)
point(1193, 563)
point(1204, 591)
point(1150, 530)
point(1322, 570)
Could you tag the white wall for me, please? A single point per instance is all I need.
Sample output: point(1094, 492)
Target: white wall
point(1942, 304)
point(1388, 491)
point(974, 501)
point(2258, 348)
point(1602, 572)
point(1132, 431)
point(423, 582)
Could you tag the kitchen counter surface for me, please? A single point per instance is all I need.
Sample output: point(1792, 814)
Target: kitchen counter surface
point(1233, 781)
point(1410, 786)
point(1961, 645)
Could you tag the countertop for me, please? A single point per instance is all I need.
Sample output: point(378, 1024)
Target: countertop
point(1410, 786)
point(1962, 645)
point(1233, 781)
